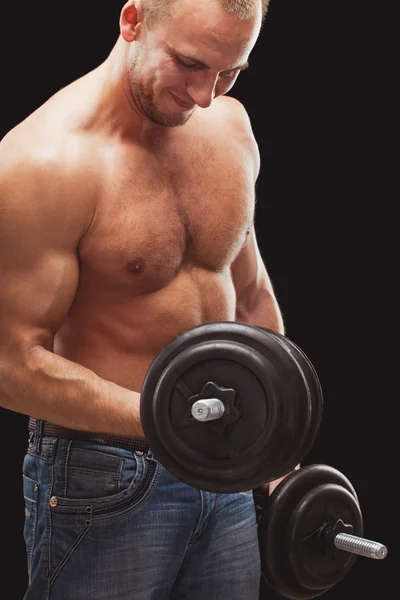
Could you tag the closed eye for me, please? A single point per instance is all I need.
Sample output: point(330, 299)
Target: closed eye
point(187, 65)
point(198, 66)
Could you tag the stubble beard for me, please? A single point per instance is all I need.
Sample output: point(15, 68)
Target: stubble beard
point(148, 106)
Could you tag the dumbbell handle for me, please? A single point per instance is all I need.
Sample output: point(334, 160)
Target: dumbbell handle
point(357, 545)
point(208, 409)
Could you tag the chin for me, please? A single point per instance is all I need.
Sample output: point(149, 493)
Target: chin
point(170, 119)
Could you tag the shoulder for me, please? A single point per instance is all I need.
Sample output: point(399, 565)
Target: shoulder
point(46, 172)
point(50, 153)
point(48, 141)
point(227, 111)
point(228, 118)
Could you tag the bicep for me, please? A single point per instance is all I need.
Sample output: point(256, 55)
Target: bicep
point(38, 287)
point(38, 264)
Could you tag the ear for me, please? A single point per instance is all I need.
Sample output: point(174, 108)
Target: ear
point(130, 20)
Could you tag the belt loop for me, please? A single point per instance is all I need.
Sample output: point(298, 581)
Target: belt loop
point(37, 437)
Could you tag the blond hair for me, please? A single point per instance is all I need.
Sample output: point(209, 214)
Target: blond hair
point(157, 10)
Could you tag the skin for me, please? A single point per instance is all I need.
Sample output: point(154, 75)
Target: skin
point(127, 218)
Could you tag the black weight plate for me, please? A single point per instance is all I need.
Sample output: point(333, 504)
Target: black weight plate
point(316, 399)
point(197, 470)
point(234, 435)
point(200, 453)
point(273, 526)
point(305, 413)
point(160, 409)
point(315, 562)
point(310, 393)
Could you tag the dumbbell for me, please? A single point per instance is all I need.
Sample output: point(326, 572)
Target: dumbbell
point(310, 533)
point(228, 406)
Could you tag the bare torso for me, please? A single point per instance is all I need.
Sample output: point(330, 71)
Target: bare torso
point(170, 215)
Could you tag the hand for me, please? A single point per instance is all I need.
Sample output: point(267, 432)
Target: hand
point(268, 488)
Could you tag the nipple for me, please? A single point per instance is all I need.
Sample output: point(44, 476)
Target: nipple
point(135, 266)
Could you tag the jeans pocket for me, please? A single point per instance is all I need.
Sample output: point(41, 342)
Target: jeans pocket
point(92, 473)
point(93, 485)
point(103, 478)
point(88, 473)
point(30, 489)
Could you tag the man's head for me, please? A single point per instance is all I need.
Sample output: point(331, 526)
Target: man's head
point(184, 53)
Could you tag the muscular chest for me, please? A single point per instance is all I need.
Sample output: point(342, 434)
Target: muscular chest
point(159, 213)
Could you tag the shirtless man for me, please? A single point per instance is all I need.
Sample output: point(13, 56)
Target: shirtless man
point(127, 206)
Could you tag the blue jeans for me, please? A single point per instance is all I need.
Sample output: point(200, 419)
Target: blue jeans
point(104, 523)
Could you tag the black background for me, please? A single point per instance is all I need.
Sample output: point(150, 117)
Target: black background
point(321, 230)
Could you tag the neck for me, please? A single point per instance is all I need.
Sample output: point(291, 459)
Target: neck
point(116, 108)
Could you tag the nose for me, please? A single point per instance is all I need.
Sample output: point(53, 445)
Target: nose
point(202, 89)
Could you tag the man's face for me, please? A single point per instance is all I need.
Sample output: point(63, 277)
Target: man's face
point(189, 60)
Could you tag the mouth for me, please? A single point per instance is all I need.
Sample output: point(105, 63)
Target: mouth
point(181, 103)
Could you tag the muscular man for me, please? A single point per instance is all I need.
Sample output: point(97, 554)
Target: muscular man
point(127, 207)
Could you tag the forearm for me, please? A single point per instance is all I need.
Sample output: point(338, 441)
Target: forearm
point(49, 387)
point(262, 310)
